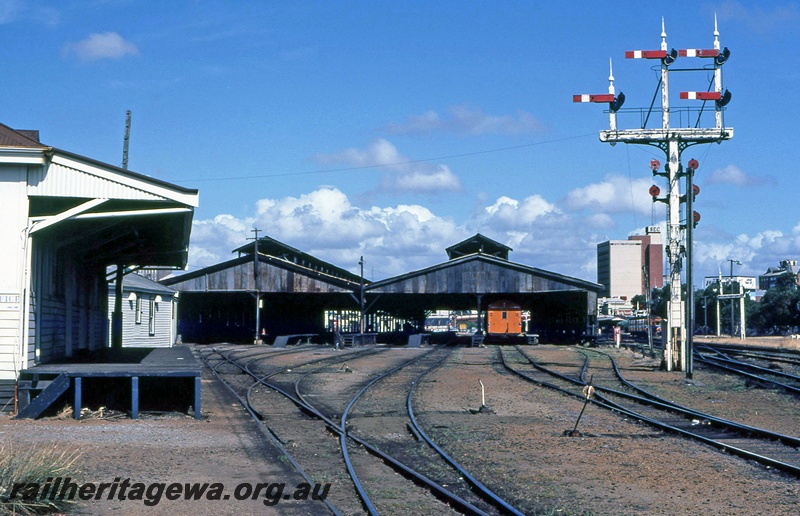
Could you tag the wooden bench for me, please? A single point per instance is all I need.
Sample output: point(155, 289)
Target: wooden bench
point(282, 340)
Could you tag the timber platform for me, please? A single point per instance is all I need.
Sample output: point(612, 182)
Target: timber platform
point(161, 371)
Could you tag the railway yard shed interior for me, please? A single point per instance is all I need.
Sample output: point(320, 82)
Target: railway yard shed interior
point(300, 294)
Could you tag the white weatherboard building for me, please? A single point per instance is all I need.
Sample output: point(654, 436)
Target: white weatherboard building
point(149, 312)
point(66, 218)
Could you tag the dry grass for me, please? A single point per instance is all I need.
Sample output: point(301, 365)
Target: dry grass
point(33, 465)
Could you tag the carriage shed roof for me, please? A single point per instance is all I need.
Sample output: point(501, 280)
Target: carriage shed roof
point(268, 246)
point(110, 214)
point(478, 244)
point(480, 273)
point(275, 275)
point(475, 273)
point(459, 282)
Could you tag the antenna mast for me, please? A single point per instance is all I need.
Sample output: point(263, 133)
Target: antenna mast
point(673, 141)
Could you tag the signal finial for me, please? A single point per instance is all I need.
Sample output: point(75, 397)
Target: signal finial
point(716, 33)
point(663, 35)
point(610, 77)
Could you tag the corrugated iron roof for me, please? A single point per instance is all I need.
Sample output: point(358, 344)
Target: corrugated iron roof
point(19, 138)
point(478, 244)
point(137, 283)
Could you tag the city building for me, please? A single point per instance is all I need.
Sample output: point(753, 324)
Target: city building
point(770, 279)
point(627, 268)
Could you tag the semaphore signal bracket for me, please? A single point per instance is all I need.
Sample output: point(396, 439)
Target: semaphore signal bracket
point(673, 141)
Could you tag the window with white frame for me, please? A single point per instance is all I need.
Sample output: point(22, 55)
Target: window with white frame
point(152, 320)
point(138, 312)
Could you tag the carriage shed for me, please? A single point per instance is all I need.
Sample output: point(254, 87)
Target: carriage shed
point(270, 285)
point(479, 274)
point(66, 218)
point(296, 291)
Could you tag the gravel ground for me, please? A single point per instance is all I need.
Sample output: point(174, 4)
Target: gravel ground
point(224, 446)
point(518, 448)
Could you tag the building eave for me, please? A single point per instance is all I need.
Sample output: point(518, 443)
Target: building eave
point(23, 155)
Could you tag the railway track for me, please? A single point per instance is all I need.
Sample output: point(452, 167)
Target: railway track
point(301, 404)
point(761, 368)
point(568, 374)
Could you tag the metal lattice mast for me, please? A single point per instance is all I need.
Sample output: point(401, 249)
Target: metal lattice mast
point(673, 141)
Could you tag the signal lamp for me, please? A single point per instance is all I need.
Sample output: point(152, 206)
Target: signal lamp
point(672, 56)
point(724, 99)
point(618, 102)
point(693, 164)
point(655, 165)
point(722, 57)
point(654, 191)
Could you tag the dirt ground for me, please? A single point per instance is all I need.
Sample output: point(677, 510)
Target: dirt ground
point(224, 446)
point(620, 467)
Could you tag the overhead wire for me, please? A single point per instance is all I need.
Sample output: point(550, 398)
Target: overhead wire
point(630, 183)
point(383, 165)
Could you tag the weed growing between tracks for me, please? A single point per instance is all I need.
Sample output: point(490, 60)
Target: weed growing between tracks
point(34, 465)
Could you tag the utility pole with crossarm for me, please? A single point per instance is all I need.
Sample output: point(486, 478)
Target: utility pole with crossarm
point(673, 141)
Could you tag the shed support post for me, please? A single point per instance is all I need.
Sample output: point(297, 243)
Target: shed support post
point(197, 397)
point(135, 397)
point(76, 406)
point(116, 317)
point(479, 319)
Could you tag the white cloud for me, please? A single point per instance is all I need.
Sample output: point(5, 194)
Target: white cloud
point(324, 223)
point(759, 18)
point(756, 252)
point(616, 194)
point(400, 174)
point(468, 120)
point(401, 238)
point(600, 221)
point(733, 175)
point(512, 214)
point(108, 45)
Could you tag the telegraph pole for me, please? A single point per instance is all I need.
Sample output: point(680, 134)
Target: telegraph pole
point(116, 315)
point(361, 299)
point(673, 141)
point(733, 302)
point(126, 139)
point(257, 293)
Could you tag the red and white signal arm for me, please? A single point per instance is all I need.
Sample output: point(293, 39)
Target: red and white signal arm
point(602, 97)
point(700, 95)
point(645, 54)
point(698, 52)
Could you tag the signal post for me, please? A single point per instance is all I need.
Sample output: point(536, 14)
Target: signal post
point(673, 141)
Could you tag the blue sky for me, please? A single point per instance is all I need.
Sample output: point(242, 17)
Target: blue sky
point(393, 129)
